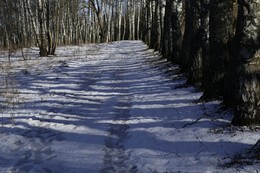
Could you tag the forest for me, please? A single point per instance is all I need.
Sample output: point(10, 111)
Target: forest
point(84, 45)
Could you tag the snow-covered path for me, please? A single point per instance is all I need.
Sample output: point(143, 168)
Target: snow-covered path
point(110, 108)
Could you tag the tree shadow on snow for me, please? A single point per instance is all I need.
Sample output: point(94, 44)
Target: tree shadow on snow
point(106, 101)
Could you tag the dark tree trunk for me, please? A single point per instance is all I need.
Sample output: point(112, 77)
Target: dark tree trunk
point(185, 53)
point(204, 32)
point(155, 33)
point(247, 110)
point(176, 31)
point(221, 34)
point(42, 22)
point(231, 76)
point(195, 61)
point(166, 42)
point(103, 27)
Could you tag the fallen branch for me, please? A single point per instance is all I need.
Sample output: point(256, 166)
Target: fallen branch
point(189, 124)
point(205, 114)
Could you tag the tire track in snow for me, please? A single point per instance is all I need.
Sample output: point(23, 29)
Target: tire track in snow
point(116, 156)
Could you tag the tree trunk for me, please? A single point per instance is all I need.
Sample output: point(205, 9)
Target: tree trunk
point(101, 19)
point(167, 39)
point(204, 32)
point(247, 110)
point(221, 34)
point(195, 60)
point(42, 22)
point(185, 53)
point(176, 20)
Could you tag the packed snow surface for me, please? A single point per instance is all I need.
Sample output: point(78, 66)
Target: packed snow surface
point(110, 108)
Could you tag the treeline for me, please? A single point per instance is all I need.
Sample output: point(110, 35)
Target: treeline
point(44, 23)
point(215, 42)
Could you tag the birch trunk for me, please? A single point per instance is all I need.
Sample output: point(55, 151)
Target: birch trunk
point(247, 110)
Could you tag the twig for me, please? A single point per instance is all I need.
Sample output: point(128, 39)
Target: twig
point(188, 124)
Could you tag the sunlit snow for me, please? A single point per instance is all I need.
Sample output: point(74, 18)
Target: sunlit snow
point(109, 108)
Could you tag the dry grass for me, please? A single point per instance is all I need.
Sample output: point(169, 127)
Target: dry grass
point(249, 156)
point(9, 95)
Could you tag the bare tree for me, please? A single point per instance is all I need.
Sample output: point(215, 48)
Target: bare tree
point(97, 6)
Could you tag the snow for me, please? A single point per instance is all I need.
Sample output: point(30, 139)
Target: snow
point(112, 107)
